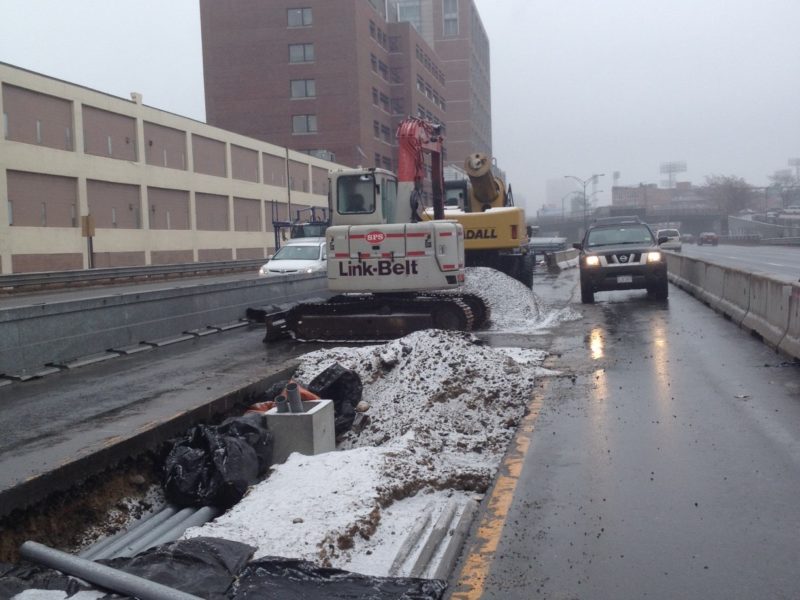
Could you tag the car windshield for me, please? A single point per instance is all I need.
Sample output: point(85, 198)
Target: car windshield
point(608, 236)
point(297, 253)
point(668, 233)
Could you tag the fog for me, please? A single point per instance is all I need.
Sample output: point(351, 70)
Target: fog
point(578, 87)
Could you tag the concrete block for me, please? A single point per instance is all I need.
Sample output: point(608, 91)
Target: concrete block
point(310, 432)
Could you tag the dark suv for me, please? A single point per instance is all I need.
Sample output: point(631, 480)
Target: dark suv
point(621, 253)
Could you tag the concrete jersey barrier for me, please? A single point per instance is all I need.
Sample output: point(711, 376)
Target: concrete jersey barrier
point(766, 306)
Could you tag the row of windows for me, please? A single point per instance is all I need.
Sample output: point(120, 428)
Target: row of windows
point(423, 87)
point(423, 57)
point(380, 67)
point(378, 34)
point(381, 132)
point(394, 106)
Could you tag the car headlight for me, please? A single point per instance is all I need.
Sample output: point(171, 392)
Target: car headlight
point(653, 257)
point(263, 270)
point(592, 261)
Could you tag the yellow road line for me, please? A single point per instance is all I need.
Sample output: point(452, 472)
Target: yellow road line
point(471, 581)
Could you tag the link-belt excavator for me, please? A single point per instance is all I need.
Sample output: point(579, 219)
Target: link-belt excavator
point(393, 272)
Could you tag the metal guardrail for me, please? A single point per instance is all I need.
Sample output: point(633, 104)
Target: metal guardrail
point(82, 277)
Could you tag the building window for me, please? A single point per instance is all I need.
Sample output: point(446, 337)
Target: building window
point(299, 17)
point(386, 134)
point(303, 88)
point(376, 129)
point(38, 132)
point(374, 62)
point(385, 102)
point(375, 96)
point(384, 69)
point(411, 12)
point(304, 124)
point(299, 53)
point(450, 17)
point(372, 29)
point(377, 160)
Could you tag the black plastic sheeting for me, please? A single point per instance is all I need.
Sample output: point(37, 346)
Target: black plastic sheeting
point(205, 567)
point(214, 465)
point(218, 569)
point(28, 576)
point(344, 387)
point(288, 579)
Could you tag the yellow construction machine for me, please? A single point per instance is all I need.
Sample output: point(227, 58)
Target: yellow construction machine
point(495, 232)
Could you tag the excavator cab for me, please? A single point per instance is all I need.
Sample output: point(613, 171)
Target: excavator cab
point(364, 197)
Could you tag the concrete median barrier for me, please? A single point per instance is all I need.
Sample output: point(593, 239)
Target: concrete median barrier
point(735, 300)
point(712, 290)
point(693, 273)
point(768, 312)
point(563, 259)
point(790, 344)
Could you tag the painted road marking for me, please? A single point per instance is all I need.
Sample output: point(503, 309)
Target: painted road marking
point(472, 579)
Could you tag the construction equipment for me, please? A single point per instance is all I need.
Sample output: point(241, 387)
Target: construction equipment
point(495, 232)
point(309, 222)
point(394, 273)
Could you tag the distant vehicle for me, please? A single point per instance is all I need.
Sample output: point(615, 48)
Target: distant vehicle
point(708, 237)
point(621, 253)
point(298, 255)
point(794, 209)
point(673, 239)
point(687, 238)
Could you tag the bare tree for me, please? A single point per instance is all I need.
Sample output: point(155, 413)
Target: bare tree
point(730, 193)
point(787, 185)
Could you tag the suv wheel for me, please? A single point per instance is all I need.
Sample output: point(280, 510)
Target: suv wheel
point(660, 290)
point(587, 295)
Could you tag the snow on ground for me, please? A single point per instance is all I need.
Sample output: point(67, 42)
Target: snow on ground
point(443, 407)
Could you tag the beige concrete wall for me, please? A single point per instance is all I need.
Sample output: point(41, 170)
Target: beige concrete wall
point(34, 158)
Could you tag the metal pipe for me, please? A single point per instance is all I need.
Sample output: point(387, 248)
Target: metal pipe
point(137, 531)
point(101, 575)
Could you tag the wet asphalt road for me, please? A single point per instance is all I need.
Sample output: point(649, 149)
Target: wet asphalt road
point(664, 462)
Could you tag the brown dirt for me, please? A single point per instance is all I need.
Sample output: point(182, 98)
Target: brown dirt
point(70, 520)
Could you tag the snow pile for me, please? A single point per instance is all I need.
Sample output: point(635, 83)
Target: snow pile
point(443, 408)
point(515, 309)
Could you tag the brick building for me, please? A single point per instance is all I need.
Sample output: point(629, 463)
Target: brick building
point(160, 188)
point(333, 79)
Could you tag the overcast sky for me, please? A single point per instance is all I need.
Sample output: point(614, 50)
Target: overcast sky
point(578, 86)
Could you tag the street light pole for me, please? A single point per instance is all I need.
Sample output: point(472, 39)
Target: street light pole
point(584, 183)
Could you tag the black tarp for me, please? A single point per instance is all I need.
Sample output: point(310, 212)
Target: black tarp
point(344, 387)
point(205, 567)
point(214, 465)
point(288, 579)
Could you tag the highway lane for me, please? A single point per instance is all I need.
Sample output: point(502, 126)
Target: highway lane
point(782, 261)
point(663, 463)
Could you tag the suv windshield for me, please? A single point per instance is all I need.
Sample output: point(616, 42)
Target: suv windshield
point(297, 253)
point(610, 236)
point(668, 233)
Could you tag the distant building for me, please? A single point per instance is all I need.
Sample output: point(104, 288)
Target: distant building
point(333, 79)
point(159, 188)
point(650, 196)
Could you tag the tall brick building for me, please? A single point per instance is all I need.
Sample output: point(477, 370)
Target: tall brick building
point(333, 79)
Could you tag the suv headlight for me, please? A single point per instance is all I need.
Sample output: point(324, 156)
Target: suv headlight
point(653, 257)
point(592, 261)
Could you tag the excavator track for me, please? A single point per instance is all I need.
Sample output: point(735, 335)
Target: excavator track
point(378, 317)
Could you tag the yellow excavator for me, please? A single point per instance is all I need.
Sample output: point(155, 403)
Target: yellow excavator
point(495, 232)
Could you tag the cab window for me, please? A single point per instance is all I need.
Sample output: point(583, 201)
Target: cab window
point(356, 195)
